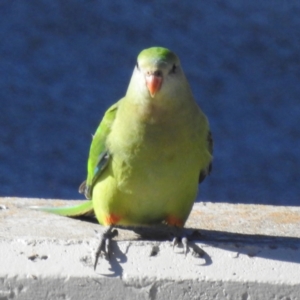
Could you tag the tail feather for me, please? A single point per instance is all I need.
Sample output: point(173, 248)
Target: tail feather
point(82, 209)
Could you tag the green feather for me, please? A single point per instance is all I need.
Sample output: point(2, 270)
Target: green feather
point(82, 209)
point(150, 150)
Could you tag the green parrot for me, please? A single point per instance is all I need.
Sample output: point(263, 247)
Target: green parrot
point(151, 150)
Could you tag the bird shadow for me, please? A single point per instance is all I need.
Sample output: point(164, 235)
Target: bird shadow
point(116, 259)
point(252, 245)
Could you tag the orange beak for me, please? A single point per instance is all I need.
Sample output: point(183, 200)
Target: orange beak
point(153, 83)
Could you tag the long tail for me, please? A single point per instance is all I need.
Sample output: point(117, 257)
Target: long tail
point(83, 209)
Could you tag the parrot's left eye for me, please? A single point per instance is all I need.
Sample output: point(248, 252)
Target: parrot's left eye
point(137, 65)
point(173, 69)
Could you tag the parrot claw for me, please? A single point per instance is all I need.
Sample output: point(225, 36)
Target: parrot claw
point(196, 251)
point(184, 241)
point(175, 242)
point(105, 244)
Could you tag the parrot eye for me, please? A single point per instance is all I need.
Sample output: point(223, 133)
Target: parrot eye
point(137, 65)
point(173, 69)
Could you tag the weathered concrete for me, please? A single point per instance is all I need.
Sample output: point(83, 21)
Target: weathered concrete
point(251, 252)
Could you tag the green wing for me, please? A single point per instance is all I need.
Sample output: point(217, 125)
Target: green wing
point(206, 171)
point(99, 155)
point(98, 159)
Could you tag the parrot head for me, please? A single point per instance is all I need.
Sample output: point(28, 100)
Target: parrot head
point(158, 72)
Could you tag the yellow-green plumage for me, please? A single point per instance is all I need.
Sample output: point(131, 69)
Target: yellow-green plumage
point(158, 147)
point(150, 149)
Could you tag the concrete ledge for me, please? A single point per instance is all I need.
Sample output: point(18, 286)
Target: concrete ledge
point(251, 252)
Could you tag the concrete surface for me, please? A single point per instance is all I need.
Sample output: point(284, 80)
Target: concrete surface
point(251, 252)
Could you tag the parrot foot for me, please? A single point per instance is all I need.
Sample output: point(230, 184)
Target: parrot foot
point(187, 246)
point(105, 244)
point(184, 241)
